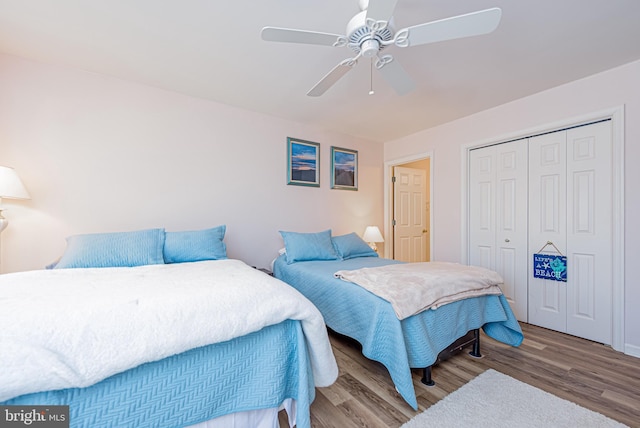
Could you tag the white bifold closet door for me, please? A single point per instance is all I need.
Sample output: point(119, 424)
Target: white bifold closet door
point(557, 188)
point(498, 217)
point(570, 197)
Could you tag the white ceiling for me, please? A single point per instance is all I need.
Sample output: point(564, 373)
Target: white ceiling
point(212, 49)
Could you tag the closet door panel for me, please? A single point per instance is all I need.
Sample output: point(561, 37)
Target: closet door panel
point(498, 217)
point(547, 223)
point(482, 220)
point(589, 232)
point(511, 224)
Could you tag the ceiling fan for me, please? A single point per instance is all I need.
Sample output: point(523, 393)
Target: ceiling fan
point(372, 30)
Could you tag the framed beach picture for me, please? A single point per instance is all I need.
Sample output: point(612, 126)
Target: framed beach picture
point(303, 162)
point(344, 169)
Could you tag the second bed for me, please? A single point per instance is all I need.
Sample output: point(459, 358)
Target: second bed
point(413, 342)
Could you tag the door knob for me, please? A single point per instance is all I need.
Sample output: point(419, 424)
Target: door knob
point(507, 240)
point(424, 230)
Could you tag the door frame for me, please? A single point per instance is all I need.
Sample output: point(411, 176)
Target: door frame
point(389, 200)
point(616, 114)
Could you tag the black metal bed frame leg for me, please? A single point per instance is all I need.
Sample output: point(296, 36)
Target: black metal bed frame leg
point(426, 377)
point(475, 352)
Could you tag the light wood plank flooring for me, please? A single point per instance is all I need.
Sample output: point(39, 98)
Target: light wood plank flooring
point(587, 373)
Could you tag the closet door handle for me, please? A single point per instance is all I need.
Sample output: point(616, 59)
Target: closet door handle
point(507, 240)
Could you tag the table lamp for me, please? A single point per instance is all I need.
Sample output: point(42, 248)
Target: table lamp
point(371, 236)
point(12, 188)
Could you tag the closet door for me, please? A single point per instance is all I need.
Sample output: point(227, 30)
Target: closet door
point(482, 207)
point(553, 188)
point(589, 232)
point(498, 217)
point(547, 223)
point(570, 199)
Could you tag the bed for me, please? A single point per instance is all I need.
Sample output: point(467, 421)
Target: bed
point(309, 263)
point(170, 341)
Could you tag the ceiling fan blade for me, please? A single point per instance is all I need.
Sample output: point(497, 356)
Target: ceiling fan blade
point(395, 75)
point(288, 35)
point(381, 10)
point(456, 27)
point(332, 77)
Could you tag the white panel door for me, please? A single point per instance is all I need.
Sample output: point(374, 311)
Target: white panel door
point(498, 217)
point(410, 190)
point(512, 224)
point(589, 230)
point(563, 198)
point(482, 207)
point(547, 223)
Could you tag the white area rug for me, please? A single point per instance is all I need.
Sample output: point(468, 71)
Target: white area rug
point(496, 400)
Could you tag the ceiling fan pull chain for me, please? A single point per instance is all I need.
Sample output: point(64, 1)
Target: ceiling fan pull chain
point(371, 81)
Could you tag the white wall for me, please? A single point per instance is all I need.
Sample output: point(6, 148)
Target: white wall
point(99, 154)
point(620, 86)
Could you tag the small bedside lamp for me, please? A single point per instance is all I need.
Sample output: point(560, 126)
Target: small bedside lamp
point(372, 235)
point(10, 187)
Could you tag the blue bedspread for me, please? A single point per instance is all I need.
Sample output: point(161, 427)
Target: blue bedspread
point(414, 342)
point(255, 371)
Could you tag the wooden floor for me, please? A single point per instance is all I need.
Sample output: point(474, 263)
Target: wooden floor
point(587, 373)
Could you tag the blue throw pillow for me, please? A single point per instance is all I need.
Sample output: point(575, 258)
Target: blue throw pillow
point(351, 245)
point(119, 249)
point(195, 245)
point(308, 246)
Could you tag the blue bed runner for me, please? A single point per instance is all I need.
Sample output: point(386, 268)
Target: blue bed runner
point(414, 342)
point(256, 371)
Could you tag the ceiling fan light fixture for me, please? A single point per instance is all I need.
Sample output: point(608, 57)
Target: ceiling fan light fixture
point(370, 48)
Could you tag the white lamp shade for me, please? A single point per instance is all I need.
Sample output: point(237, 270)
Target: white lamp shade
point(10, 185)
point(372, 234)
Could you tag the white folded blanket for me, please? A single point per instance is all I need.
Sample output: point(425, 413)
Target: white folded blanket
point(74, 327)
point(414, 287)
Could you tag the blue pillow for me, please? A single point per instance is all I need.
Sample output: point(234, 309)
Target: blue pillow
point(119, 249)
point(195, 245)
point(308, 246)
point(351, 245)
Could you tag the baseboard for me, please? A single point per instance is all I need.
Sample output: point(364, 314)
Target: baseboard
point(632, 350)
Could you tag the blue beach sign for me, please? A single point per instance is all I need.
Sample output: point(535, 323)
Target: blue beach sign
point(549, 266)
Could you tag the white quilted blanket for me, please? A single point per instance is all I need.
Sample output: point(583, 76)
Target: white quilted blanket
point(414, 287)
point(75, 327)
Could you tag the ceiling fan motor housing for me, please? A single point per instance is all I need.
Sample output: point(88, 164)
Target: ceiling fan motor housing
point(365, 38)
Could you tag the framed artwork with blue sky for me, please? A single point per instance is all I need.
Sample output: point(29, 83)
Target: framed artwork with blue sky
point(303, 162)
point(344, 169)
